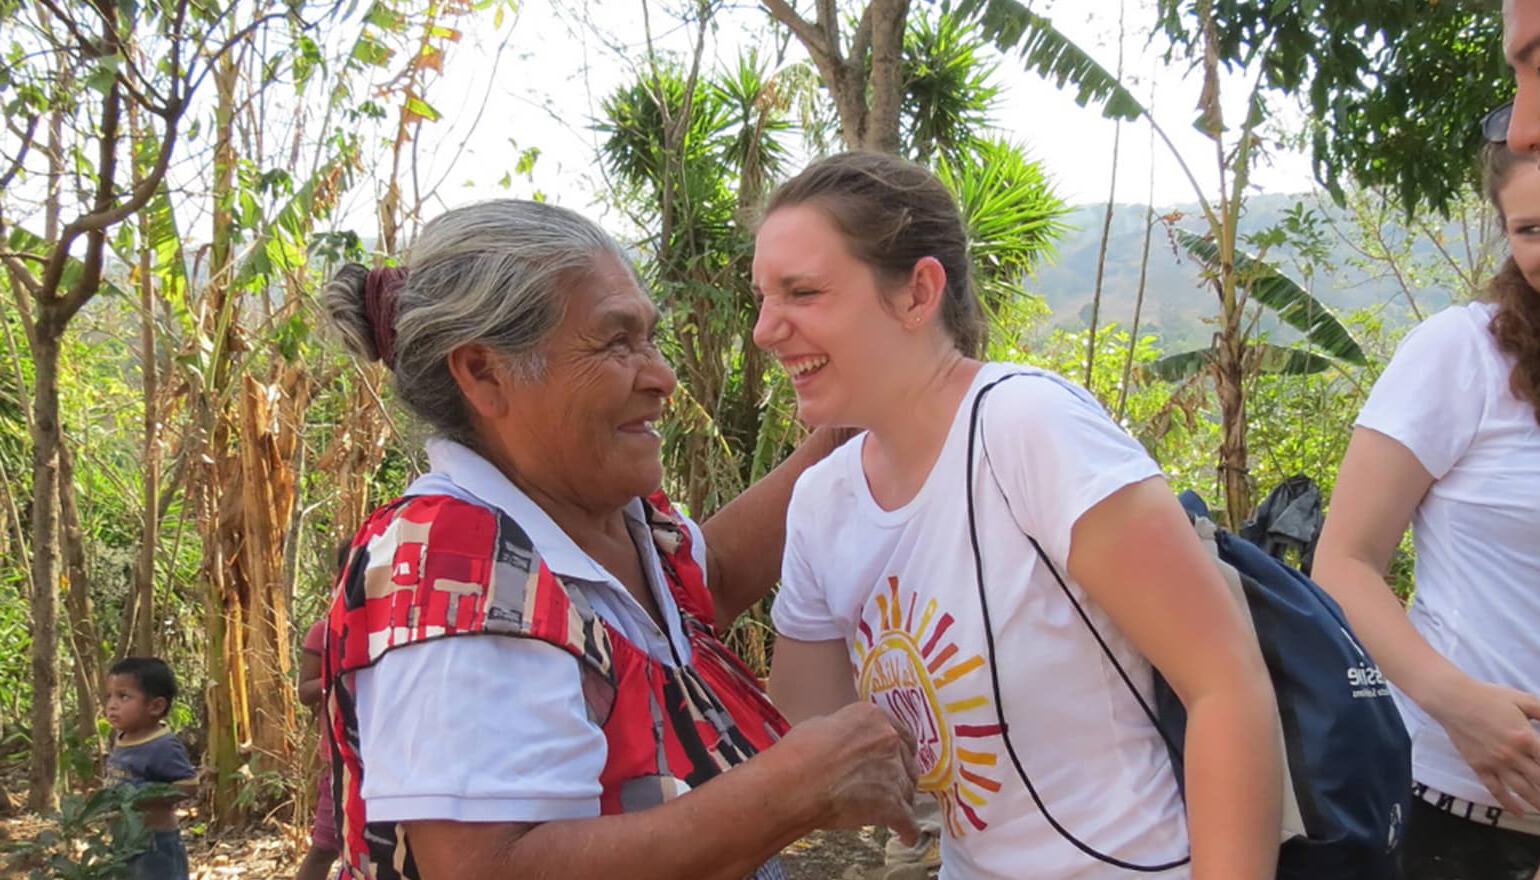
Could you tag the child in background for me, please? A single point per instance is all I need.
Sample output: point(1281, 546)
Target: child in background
point(144, 751)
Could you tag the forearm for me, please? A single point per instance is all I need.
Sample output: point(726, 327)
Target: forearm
point(1381, 623)
point(745, 538)
point(809, 679)
point(310, 692)
point(722, 830)
point(1234, 775)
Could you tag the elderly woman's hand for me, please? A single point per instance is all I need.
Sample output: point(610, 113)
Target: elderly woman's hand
point(861, 766)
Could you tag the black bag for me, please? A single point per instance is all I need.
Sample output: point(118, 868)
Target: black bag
point(1347, 756)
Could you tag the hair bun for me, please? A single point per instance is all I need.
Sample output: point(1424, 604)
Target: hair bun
point(343, 300)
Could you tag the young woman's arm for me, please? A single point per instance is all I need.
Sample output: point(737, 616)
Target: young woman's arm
point(846, 770)
point(1136, 555)
point(1378, 489)
point(809, 679)
point(745, 538)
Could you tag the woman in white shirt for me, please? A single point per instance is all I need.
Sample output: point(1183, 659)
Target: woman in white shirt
point(523, 671)
point(1449, 442)
point(1026, 733)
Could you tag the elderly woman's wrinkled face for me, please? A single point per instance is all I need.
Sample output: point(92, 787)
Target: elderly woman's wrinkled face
point(586, 433)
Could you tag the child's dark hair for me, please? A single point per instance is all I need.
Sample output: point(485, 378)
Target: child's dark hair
point(891, 213)
point(1516, 326)
point(152, 675)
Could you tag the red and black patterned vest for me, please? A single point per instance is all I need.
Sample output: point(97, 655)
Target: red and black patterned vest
point(433, 566)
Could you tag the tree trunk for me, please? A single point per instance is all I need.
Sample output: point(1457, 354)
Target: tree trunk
point(266, 482)
point(1144, 274)
point(223, 754)
point(886, 83)
point(142, 638)
point(1230, 373)
point(1101, 257)
point(84, 642)
point(866, 81)
point(43, 795)
point(224, 628)
point(1133, 333)
point(1112, 195)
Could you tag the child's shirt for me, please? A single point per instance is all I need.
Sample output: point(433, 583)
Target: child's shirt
point(157, 756)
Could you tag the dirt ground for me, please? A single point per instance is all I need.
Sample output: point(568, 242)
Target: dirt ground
point(272, 851)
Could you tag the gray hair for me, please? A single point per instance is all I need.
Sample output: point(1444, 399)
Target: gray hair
point(492, 273)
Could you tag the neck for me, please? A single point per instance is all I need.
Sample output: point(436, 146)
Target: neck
point(585, 523)
point(141, 732)
point(913, 424)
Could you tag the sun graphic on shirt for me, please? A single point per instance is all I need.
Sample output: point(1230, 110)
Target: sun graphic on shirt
point(908, 666)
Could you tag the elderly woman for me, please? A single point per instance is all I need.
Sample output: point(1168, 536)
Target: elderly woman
point(587, 726)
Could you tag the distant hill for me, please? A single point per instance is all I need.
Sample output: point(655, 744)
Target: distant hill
point(1175, 303)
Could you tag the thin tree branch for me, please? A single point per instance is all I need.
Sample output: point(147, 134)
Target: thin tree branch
point(861, 42)
point(829, 22)
point(224, 47)
point(21, 154)
point(87, 45)
point(813, 37)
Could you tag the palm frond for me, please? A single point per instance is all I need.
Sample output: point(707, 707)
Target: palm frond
point(1283, 295)
point(1013, 27)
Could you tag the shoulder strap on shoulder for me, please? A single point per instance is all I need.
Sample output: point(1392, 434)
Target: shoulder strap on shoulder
point(974, 418)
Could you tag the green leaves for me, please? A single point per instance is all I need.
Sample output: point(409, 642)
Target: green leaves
point(1011, 212)
point(417, 108)
point(22, 241)
point(1286, 298)
point(948, 91)
point(1394, 88)
point(104, 73)
point(1268, 359)
point(1043, 48)
point(371, 51)
point(281, 245)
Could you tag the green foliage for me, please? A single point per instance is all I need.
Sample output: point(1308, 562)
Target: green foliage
point(692, 161)
point(92, 837)
point(1169, 419)
point(947, 87)
point(1394, 89)
point(1014, 27)
point(1269, 359)
point(15, 642)
point(1011, 213)
point(1285, 297)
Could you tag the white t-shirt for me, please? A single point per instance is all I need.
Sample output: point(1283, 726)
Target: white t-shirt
point(495, 729)
point(898, 586)
point(1445, 397)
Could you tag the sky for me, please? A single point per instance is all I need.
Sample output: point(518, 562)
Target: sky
point(538, 80)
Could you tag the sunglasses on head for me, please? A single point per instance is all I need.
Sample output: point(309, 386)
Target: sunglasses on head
point(1494, 125)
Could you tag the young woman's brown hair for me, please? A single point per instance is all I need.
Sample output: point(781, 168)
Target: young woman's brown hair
point(891, 213)
point(1516, 326)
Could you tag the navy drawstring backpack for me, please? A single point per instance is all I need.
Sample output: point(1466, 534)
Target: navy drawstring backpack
point(1347, 756)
